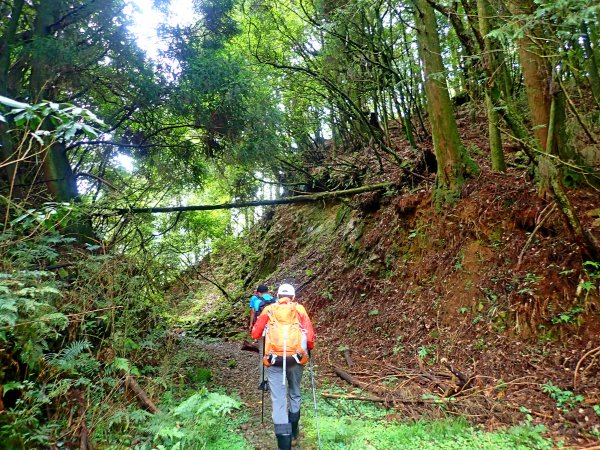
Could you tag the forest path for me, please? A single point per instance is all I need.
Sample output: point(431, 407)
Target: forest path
point(237, 371)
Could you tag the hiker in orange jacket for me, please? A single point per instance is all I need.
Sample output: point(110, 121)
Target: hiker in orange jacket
point(287, 369)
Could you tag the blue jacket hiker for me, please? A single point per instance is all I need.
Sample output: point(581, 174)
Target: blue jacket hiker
point(258, 301)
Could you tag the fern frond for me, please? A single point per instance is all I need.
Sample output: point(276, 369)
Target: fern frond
point(67, 357)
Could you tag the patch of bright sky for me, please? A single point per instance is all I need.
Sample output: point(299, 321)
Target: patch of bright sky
point(146, 21)
point(125, 161)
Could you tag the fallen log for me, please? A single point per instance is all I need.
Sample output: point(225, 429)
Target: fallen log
point(250, 347)
point(353, 397)
point(377, 390)
point(347, 377)
point(141, 395)
point(320, 196)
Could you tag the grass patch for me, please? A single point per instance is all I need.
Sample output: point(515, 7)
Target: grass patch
point(356, 425)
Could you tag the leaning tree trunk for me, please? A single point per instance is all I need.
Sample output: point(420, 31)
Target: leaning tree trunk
point(452, 160)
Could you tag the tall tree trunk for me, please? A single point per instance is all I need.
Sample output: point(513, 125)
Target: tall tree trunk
point(452, 160)
point(402, 106)
point(536, 77)
point(58, 174)
point(489, 60)
point(543, 93)
point(7, 41)
point(592, 65)
point(9, 172)
point(59, 178)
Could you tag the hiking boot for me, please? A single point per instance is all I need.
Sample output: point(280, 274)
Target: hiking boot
point(284, 441)
point(294, 418)
point(296, 440)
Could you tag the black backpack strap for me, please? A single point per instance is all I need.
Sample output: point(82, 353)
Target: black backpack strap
point(263, 304)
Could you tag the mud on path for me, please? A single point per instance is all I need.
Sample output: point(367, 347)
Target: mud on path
point(237, 371)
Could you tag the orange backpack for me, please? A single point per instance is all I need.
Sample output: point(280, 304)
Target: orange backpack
point(285, 339)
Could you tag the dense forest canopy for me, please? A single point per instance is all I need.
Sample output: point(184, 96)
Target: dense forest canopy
point(265, 88)
point(252, 101)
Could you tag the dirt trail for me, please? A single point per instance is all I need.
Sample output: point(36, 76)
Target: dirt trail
point(237, 371)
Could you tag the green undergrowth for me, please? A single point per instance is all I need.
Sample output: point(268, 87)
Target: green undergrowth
point(346, 424)
point(190, 417)
point(198, 420)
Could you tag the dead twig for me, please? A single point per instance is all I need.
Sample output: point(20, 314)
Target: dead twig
point(529, 411)
point(592, 352)
point(535, 230)
point(382, 393)
point(464, 382)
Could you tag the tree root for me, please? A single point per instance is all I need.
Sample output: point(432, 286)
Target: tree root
point(592, 352)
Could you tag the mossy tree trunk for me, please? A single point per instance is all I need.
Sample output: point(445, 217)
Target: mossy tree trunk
point(537, 78)
point(58, 174)
point(587, 243)
point(452, 160)
point(60, 181)
point(9, 173)
point(592, 64)
point(484, 11)
point(537, 74)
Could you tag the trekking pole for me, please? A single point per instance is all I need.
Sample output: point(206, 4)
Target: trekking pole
point(312, 379)
point(263, 388)
point(262, 404)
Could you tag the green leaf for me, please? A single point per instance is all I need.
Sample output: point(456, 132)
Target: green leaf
point(89, 131)
point(12, 103)
point(12, 386)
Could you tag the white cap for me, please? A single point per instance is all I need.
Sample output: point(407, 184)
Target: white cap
point(286, 290)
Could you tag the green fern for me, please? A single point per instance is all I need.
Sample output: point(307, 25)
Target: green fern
point(205, 403)
point(122, 364)
point(8, 312)
point(73, 350)
point(68, 359)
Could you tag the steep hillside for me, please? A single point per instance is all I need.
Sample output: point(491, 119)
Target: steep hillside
point(494, 288)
